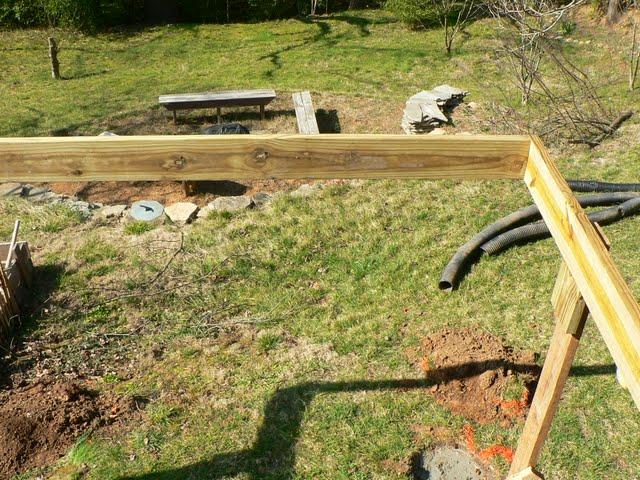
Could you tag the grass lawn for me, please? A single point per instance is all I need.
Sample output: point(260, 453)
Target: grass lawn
point(276, 343)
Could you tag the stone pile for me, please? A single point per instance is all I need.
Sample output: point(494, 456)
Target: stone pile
point(426, 110)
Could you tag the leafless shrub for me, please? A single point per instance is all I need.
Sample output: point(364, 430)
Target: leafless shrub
point(565, 97)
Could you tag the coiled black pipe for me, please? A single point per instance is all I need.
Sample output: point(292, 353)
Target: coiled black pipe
point(538, 230)
point(594, 186)
point(466, 252)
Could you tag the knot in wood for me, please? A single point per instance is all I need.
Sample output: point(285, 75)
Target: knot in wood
point(180, 162)
point(261, 156)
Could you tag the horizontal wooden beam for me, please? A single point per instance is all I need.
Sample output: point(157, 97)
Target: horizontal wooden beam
point(226, 157)
point(605, 292)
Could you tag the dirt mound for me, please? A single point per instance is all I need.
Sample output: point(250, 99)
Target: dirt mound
point(40, 422)
point(476, 375)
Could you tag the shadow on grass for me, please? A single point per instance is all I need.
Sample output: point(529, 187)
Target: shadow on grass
point(46, 279)
point(328, 121)
point(273, 454)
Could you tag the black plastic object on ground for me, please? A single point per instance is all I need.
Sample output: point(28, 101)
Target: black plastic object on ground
point(539, 230)
point(226, 129)
point(594, 186)
point(471, 249)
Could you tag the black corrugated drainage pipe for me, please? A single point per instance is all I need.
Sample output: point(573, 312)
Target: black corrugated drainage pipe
point(471, 249)
point(538, 230)
point(594, 186)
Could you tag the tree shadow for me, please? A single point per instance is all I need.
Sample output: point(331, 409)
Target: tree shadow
point(273, 453)
point(328, 121)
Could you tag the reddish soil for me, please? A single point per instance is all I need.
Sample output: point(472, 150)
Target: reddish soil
point(40, 422)
point(475, 373)
point(113, 193)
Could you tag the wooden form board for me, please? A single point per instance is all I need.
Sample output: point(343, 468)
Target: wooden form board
point(225, 157)
point(236, 157)
point(603, 289)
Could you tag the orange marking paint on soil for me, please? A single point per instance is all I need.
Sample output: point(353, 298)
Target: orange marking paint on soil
point(516, 408)
point(489, 452)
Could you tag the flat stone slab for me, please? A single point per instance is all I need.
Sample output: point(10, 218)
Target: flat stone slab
point(448, 463)
point(230, 204)
point(181, 212)
point(260, 199)
point(112, 211)
point(11, 188)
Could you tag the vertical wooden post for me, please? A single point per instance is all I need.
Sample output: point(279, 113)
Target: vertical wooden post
point(261, 112)
point(219, 112)
point(53, 55)
point(175, 116)
point(571, 313)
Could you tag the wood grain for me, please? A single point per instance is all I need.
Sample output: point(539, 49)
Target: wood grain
point(305, 113)
point(227, 157)
point(605, 292)
point(571, 313)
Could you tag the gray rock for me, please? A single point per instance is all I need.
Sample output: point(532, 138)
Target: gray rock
point(306, 190)
point(260, 199)
point(230, 204)
point(204, 211)
point(39, 194)
point(107, 133)
point(11, 188)
point(181, 212)
point(438, 131)
point(112, 211)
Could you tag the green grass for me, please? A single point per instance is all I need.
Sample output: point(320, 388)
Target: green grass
point(275, 344)
point(120, 74)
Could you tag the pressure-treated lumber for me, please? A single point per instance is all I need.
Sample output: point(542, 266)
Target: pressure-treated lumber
point(605, 292)
point(527, 474)
point(224, 157)
point(570, 312)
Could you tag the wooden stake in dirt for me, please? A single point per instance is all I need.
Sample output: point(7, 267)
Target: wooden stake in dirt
point(570, 312)
point(53, 56)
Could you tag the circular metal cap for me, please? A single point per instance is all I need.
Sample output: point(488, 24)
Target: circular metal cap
point(146, 210)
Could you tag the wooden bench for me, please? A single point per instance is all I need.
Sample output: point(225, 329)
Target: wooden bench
point(230, 98)
point(305, 114)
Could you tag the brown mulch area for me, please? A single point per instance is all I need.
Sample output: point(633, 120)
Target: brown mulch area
point(472, 371)
point(40, 422)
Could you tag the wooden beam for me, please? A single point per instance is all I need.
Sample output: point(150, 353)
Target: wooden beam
point(605, 292)
point(526, 474)
point(570, 312)
point(220, 157)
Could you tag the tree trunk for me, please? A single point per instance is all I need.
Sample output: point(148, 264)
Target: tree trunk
point(354, 4)
point(613, 11)
point(53, 55)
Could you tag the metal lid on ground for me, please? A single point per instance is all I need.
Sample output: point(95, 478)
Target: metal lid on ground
point(146, 210)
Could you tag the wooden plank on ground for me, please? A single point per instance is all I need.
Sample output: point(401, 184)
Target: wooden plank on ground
point(605, 292)
point(305, 113)
point(220, 157)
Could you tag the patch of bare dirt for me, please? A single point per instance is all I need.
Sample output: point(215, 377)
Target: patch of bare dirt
point(40, 422)
point(477, 376)
point(167, 192)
